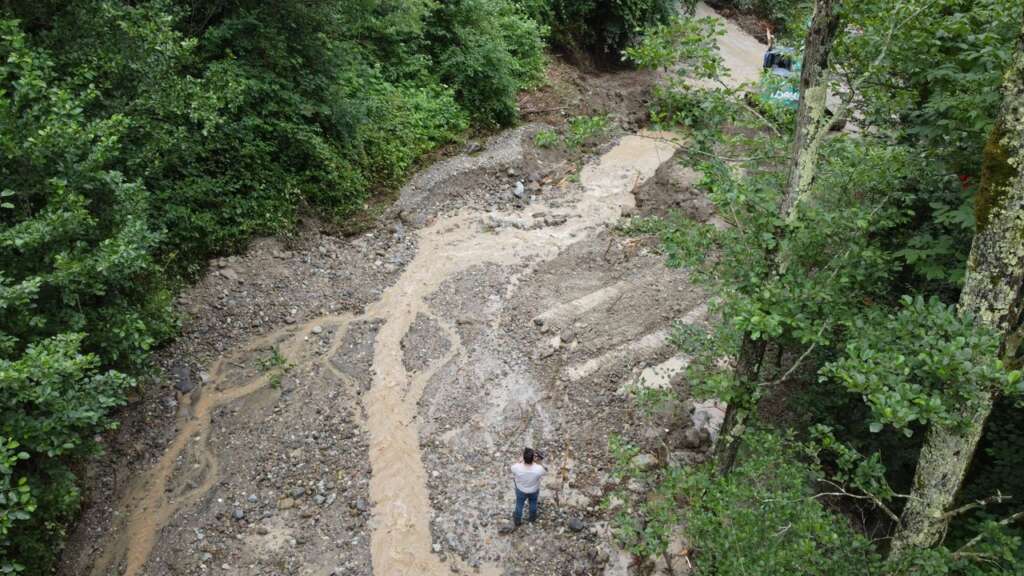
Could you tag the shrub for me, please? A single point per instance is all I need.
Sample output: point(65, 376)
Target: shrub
point(763, 518)
point(546, 139)
point(602, 28)
point(79, 292)
point(16, 501)
point(583, 129)
point(487, 51)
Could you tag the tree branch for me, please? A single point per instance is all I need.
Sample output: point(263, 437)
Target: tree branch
point(998, 498)
point(1005, 521)
point(866, 496)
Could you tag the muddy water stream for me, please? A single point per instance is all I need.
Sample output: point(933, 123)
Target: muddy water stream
point(401, 527)
point(150, 502)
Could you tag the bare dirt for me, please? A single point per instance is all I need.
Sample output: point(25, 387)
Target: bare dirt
point(358, 401)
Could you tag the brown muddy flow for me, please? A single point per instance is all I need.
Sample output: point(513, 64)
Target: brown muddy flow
point(149, 502)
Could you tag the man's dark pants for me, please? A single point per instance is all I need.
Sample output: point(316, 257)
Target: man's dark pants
point(521, 498)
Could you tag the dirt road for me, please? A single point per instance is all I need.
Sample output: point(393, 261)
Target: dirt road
point(363, 397)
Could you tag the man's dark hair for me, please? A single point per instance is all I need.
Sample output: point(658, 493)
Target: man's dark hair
point(528, 455)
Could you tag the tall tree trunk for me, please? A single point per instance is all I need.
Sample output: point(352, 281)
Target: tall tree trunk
point(811, 121)
point(994, 293)
point(812, 118)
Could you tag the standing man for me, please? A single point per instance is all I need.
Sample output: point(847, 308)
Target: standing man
point(526, 476)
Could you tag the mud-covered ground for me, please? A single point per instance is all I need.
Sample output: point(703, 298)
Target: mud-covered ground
point(351, 405)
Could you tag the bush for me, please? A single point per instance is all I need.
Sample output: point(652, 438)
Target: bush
point(79, 292)
point(761, 519)
point(487, 51)
point(601, 28)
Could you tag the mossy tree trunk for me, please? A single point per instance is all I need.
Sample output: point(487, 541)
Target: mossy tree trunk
point(811, 122)
point(994, 294)
point(812, 119)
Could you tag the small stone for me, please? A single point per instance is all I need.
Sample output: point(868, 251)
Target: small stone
point(238, 514)
point(318, 499)
point(253, 498)
point(317, 329)
point(691, 439)
point(519, 191)
point(576, 525)
point(230, 274)
point(362, 505)
point(298, 492)
point(285, 503)
point(644, 461)
point(182, 378)
point(262, 530)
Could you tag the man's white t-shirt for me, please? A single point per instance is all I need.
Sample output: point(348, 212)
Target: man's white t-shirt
point(527, 476)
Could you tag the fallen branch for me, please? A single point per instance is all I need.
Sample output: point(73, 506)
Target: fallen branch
point(542, 110)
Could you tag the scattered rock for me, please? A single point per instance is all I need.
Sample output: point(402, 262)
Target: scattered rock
point(285, 503)
point(230, 274)
point(644, 461)
point(182, 378)
point(519, 191)
point(691, 439)
point(575, 524)
point(238, 514)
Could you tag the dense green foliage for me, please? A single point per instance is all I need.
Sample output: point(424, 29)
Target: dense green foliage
point(778, 527)
point(849, 298)
point(600, 28)
point(140, 138)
